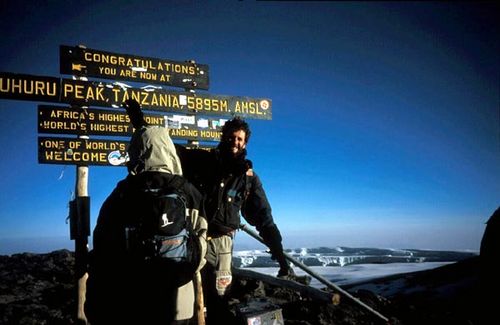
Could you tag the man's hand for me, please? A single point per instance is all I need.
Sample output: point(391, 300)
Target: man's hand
point(287, 273)
point(134, 113)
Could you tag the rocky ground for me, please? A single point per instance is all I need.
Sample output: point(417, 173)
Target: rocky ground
point(446, 295)
point(39, 289)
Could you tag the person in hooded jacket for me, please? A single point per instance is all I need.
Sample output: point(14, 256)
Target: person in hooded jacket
point(124, 291)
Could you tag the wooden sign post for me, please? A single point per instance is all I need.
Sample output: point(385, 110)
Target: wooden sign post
point(81, 243)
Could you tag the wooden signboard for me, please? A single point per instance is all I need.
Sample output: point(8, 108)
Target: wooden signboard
point(86, 93)
point(75, 120)
point(87, 62)
point(85, 152)
point(27, 87)
point(72, 151)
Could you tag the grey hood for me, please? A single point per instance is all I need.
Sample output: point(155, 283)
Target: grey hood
point(152, 149)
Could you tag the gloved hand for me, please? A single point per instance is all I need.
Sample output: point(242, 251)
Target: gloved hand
point(272, 238)
point(134, 113)
point(289, 274)
point(286, 272)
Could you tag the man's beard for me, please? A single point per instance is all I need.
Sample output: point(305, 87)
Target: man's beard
point(227, 152)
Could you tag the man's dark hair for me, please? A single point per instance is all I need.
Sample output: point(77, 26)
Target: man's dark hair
point(236, 124)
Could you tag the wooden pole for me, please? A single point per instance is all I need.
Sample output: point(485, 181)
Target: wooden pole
point(200, 303)
point(81, 247)
point(82, 233)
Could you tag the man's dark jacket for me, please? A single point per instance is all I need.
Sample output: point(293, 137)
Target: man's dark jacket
point(230, 186)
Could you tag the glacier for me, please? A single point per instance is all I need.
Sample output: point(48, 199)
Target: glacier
point(344, 256)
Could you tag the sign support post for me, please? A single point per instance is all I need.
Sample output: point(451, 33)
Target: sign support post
point(81, 241)
point(83, 231)
point(79, 217)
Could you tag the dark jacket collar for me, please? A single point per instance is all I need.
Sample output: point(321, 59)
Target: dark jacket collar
point(230, 164)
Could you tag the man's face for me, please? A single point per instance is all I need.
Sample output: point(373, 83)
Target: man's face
point(235, 142)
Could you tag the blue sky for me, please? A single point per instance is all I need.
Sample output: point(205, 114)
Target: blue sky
point(385, 129)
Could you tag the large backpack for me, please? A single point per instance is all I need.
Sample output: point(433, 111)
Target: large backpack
point(158, 228)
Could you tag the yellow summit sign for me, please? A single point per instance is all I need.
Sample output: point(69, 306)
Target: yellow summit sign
point(87, 62)
point(94, 93)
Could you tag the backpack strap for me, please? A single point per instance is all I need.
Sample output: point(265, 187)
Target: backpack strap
point(177, 183)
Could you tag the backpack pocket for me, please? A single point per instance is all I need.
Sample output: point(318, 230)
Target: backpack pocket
point(180, 253)
point(173, 247)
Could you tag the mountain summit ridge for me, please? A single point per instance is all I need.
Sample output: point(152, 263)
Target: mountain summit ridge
point(40, 289)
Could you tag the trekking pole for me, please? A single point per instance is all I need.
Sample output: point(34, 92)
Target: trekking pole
point(200, 303)
point(320, 278)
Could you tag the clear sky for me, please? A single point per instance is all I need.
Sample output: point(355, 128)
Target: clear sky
point(385, 129)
